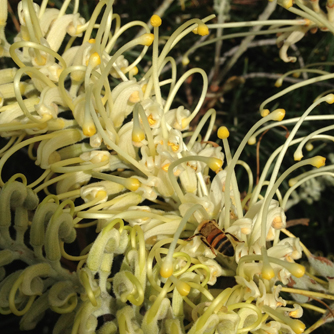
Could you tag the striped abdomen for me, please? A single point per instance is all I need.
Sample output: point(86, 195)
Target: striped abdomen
point(218, 240)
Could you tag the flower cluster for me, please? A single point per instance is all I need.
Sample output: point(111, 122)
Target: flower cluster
point(120, 161)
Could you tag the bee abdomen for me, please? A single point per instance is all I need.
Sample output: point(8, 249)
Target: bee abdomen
point(225, 247)
point(220, 242)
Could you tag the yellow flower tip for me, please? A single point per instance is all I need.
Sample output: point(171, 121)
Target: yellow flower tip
point(330, 98)
point(91, 41)
point(278, 83)
point(185, 61)
point(215, 164)
point(298, 155)
point(143, 88)
point(309, 147)
point(101, 194)
point(195, 31)
point(296, 269)
point(165, 167)
point(318, 161)
point(292, 182)
point(138, 136)
point(296, 74)
point(307, 22)
point(134, 71)
point(104, 158)
point(278, 114)
point(173, 146)
point(156, 21)
point(54, 157)
point(95, 59)
point(277, 223)
point(89, 129)
point(286, 3)
point(252, 140)
point(295, 313)
point(166, 269)
point(146, 39)
point(59, 71)
point(183, 288)
point(184, 123)
point(77, 75)
point(151, 120)
point(267, 272)
point(134, 97)
point(297, 326)
point(223, 132)
point(132, 184)
point(265, 112)
point(203, 30)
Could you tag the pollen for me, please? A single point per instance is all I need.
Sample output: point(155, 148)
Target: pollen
point(156, 21)
point(174, 147)
point(151, 120)
point(277, 223)
point(192, 166)
point(91, 41)
point(165, 167)
point(134, 97)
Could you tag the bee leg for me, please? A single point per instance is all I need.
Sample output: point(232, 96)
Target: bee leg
point(232, 236)
point(195, 235)
point(212, 250)
point(208, 245)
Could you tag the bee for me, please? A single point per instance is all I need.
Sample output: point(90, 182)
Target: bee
point(216, 239)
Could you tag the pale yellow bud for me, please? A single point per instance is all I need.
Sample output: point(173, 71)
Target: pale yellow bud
point(278, 114)
point(318, 161)
point(252, 140)
point(156, 21)
point(265, 112)
point(166, 269)
point(88, 129)
point(203, 30)
point(215, 164)
point(330, 98)
point(134, 97)
point(94, 59)
point(223, 132)
point(132, 184)
point(146, 39)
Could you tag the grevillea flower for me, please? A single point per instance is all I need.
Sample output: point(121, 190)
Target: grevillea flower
point(118, 154)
